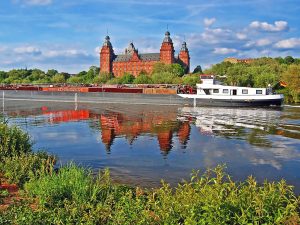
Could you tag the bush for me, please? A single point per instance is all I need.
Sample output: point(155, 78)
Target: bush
point(73, 196)
point(165, 78)
point(13, 141)
point(143, 79)
point(191, 80)
point(21, 168)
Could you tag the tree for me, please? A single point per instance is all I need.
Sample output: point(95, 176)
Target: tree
point(58, 78)
point(143, 79)
point(198, 70)
point(175, 69)
point(75, 80)
point(51, 73)
point(191, 80)
point(289, 60)
point(127, 78)
point(165, 78)
point(3, 75)
point(103, 78)
point(292, 78)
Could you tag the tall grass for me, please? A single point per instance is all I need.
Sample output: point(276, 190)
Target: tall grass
point(13, 141)
point(74, 196)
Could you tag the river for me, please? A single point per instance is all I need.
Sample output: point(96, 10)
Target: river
point(142, 144)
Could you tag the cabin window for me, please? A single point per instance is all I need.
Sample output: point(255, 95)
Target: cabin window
point(245, 91)
point(259, 92)
point(215, 90)
point(225, 91)
point(206, 91)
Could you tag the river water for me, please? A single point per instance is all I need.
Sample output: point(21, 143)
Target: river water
point(142, 144)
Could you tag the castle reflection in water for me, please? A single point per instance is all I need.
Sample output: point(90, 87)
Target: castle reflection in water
point(113, 125)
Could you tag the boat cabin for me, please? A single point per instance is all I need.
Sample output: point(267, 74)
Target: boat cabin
point(210, 86)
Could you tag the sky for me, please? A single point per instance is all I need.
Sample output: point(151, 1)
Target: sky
point(66, 34)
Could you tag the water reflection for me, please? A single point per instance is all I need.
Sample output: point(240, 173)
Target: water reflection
point(163, 126)
point(143, 144)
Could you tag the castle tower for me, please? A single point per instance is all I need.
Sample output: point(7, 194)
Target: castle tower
point(106, 56)
point(184, 57)
point(167, 50)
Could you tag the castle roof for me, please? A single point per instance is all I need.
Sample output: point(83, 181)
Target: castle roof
point(143, 57)
point(107, 42)
point(167, 38)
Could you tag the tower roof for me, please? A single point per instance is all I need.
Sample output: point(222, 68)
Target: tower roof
point(107, 42)
point(167, 38)
point(183, 47)
point(130, 49)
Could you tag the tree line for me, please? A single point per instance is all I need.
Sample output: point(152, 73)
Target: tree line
point(162, 74)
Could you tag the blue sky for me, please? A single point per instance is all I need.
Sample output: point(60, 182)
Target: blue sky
point(66, 35)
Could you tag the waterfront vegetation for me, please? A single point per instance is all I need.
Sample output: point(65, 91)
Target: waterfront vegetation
point(75, 195)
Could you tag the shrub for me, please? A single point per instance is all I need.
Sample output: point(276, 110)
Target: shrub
point(13, 141)
point(21, 168)
point(191, 80)
point(143, 79)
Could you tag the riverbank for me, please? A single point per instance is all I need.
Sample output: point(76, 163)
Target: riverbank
point(73, 195)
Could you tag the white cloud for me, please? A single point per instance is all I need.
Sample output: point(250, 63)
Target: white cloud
point(288, 43)
point(264, 26)
point(209, 21)
point(27, 50)
point(65, 53)
point(259, 43)
point(224, 51)
point(37, 2)
point(241, 36)
point(216, 35)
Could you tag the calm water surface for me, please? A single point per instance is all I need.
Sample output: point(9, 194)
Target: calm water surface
point(144, 144)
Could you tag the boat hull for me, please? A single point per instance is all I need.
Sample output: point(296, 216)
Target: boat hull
point(136, 98)
point(235, 101)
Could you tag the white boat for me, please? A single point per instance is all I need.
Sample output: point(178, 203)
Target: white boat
point(211, 93)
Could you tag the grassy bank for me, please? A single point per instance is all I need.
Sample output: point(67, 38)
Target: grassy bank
point(73, 195)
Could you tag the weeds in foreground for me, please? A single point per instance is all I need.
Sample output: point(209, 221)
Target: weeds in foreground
point(74, 196)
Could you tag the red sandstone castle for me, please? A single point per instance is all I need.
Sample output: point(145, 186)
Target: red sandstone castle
point(132, 62)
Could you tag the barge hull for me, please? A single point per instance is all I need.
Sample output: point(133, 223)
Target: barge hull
point(133, 98)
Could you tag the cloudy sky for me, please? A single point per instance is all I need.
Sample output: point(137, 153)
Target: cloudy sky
point(66, 35)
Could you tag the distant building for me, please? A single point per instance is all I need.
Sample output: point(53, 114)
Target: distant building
point(235, 60)
point(133, 62)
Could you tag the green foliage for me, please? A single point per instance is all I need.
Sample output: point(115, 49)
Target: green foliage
point(143, 79)
point(13, 141)
point(292, 78)
point(191, 80)
point(3, 194)
point(21, 168)
point(58, 78)
point(175, 69)
point(165, 78)
point(102, 78)
point(75, 80)
point(73, 196)
point(127, 79)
